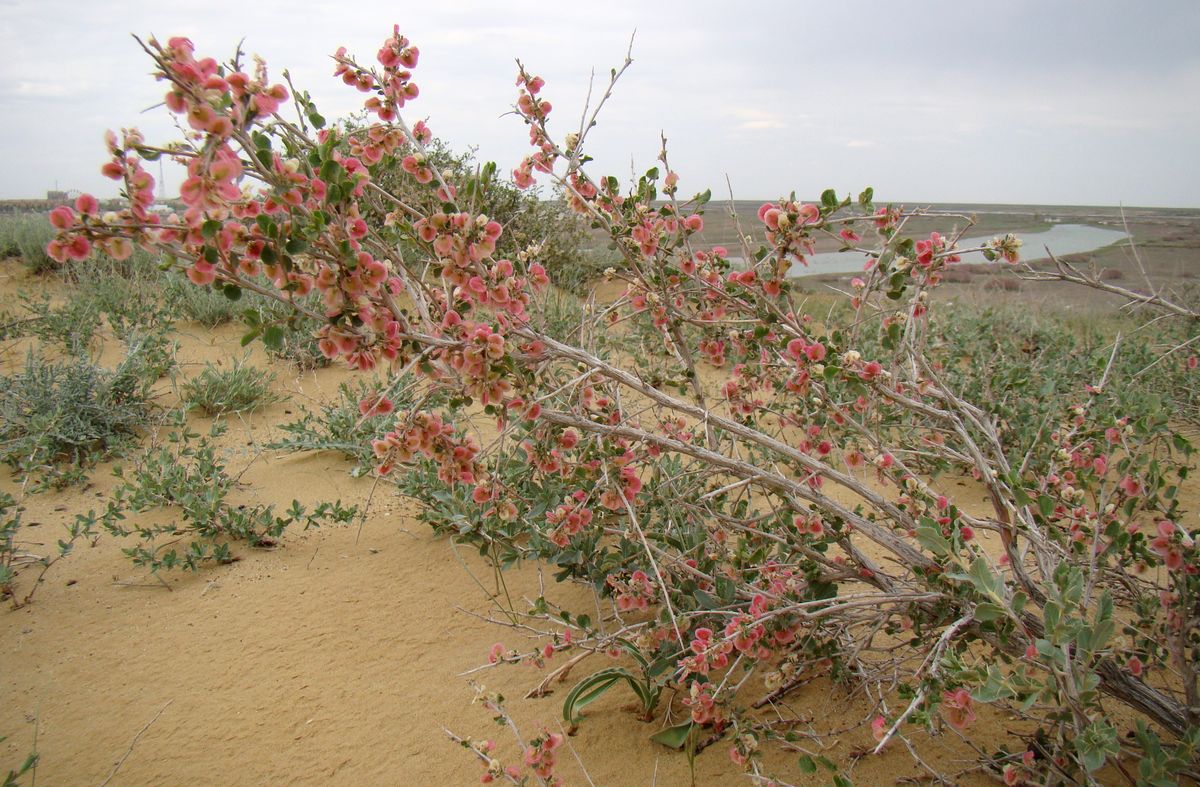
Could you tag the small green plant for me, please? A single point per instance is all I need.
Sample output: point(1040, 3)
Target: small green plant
point(129, 293)
point(207, 306)
point(238, 388)
point(30, 234)
point(8, 236)
point(562, 317)
point(73, 324)
point(14, 558)
point(187, 477)
point(57, 418)
point(28, 765)
point(648, 687)
point(341, 426)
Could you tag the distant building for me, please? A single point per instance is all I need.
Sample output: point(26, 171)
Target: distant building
point(57, 197)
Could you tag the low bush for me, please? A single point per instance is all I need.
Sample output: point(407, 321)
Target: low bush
point(30, 235)
point(186, 476)
point(202, 305)
point(14, 557)
point(239, 387)
point(58, 417)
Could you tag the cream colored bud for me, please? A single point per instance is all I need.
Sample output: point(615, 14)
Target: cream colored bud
point(572, 140)
point(292, 165)
point(610, 272)
point(851, 356)
point(785, 221)
point(901, 264)
point(109, 218)
point(818, 369)
point(481, 220)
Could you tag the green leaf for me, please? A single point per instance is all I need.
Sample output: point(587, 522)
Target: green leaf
point(591, 688)
point(987, 611)
point(232, 292)
point(983, 579)
point(807, 764)
point(329, 170)
point(673, 737)
point(930, 538)
point(1046, 505)
point(273, 337)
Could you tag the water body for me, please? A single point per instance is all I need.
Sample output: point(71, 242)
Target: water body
point(1061, 239)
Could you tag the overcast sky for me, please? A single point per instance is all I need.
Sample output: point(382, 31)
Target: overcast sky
point(1020, 101)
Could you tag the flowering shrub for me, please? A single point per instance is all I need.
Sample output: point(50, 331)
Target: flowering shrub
point(766, 508)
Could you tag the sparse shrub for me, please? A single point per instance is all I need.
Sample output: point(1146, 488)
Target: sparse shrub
point(203, 305)
point(561, 315)
point(128, 294)
point(31, 234)
point(58, 417)
point(1112, 274)
point(187, 477)
point(234, 389)
point(73, 323)
point(8, 236)
point(14, 558)
point(349, 424)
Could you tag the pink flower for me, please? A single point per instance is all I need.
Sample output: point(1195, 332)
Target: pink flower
point(957, 708)
point(879, 728)
point(87, 205)
point(62, 218)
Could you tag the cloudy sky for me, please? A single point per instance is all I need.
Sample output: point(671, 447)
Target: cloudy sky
point(1020, 101)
